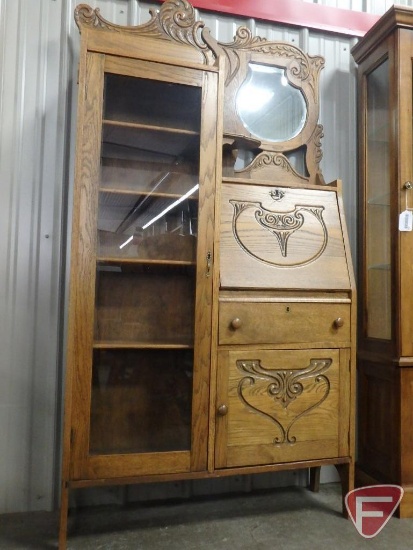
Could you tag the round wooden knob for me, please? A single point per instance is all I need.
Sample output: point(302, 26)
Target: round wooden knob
point(339, 322)
point(236, 323)
point(222, 410)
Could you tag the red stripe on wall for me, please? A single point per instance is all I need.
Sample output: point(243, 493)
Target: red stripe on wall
point(295, 12)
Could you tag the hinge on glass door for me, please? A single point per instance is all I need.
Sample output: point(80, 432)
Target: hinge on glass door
point(208, 263)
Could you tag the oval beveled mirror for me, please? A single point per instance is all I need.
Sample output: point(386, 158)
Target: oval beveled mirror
point(269, 106)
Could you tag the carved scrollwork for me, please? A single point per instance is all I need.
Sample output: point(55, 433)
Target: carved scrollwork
point(175, 20)
point(277, 194)
point(318, 153)
point(88, 17)
point(85, 16)
point(267, 159)
point(282, 225)
point(283, 386)
point(314, 153)
point(300, 65)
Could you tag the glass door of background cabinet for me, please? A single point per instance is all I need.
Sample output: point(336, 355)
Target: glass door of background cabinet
point(150, 358)
point(377, 215)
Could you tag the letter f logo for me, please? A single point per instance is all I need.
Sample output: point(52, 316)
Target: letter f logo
point(370, 508)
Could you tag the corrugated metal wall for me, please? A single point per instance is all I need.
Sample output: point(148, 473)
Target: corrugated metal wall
point(38, 64)
point(33, 163)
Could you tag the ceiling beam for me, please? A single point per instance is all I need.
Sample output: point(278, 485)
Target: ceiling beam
point(295, 12)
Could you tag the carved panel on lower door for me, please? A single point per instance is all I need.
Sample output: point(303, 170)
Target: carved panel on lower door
point(309, 387)
point(282, 405)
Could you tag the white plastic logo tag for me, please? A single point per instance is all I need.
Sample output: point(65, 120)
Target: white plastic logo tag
point(406, 221)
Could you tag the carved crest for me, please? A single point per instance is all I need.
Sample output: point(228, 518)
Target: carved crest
point(175, 20)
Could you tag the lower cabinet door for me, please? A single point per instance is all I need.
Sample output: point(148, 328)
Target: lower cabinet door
point(277, 406)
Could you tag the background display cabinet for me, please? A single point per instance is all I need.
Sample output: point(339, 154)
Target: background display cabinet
point(211, 314)
point(385, 341)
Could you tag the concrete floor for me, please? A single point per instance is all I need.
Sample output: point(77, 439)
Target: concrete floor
point(287, 518)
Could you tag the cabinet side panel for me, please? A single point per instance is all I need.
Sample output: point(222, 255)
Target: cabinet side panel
point(83, 274)
point(376, 284)
point(345, 403)
point(405, 163)
point(378, 418)
point(406, 420)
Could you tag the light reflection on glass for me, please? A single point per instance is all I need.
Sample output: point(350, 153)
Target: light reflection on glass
point(269, 106)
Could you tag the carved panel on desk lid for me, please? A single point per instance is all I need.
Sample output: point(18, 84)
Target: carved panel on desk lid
point(252, 223)
point(289, 394)
point(279, 83)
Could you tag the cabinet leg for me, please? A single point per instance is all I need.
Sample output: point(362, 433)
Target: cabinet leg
point(346, 473)
point(314, 484)
point(64, 510)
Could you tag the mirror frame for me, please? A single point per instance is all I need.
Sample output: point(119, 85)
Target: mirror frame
point(302, 72)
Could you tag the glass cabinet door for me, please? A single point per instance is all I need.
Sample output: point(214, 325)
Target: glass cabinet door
point(377, 215)
point(146, 267)
point(149, 354)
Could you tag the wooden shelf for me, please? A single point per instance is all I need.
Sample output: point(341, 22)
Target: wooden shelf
point(150, 127)
point(122, 344)
point(152, 139)
point(140, 261)
point(140, 193)
point(380, 200)
point(380, 267)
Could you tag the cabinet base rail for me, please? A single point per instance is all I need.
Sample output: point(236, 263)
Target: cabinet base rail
point(344, 466)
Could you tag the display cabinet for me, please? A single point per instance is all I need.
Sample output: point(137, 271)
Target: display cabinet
point(212, 302)
point(385, 339)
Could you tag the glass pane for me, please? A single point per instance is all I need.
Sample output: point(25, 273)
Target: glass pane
point(269, 106)
point(144, 304)
point(141, 401)
point(146, 267)
point(378, 205)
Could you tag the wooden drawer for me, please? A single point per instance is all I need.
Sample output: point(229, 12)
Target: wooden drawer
point(283, 323)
